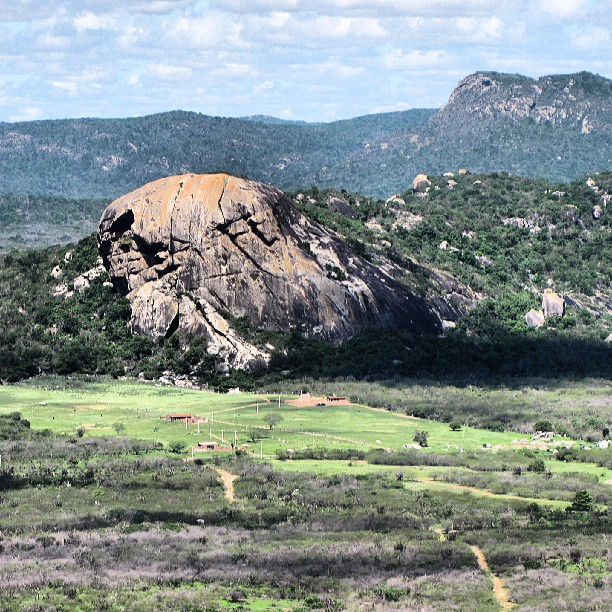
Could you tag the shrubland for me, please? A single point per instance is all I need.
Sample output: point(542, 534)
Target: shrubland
point(113, 522)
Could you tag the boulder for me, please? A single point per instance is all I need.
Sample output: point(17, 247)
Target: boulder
point(534, 318)
point(517, 222)
point(57, 273)
point(81, 283)
point(340, 205)
point(485, 261)
point(553, 304)
point(60, 290)
point(598, 212)
point(420, 183)
point(189, 250)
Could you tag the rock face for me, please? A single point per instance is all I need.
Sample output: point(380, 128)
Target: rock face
point(420, 183)
point(553, 304)
point(189, 250)
point(553, 100)
point(340, 205)
point(534, 318)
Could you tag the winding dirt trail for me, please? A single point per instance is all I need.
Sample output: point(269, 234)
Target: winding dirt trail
point(452, 485)
point(228, 483)
point(499, 590)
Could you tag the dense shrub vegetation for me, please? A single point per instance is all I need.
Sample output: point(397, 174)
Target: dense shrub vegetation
point(112, 522)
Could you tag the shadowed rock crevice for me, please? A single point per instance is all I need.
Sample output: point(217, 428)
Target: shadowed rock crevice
point(184, 249)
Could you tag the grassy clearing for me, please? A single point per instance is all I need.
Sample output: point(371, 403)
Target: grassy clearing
point(579, 406)
point(63, 406)
point(98, 407)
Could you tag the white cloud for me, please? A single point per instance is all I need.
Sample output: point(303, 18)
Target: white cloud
point(207, 32)
point(593, 38)
point(170, 72)
point(52, 41)
point(331, 67)
point(29, 113)
point(562, 8)
point(232, 69)
point(375, 8)
point(480, 29)
point(67, 86)
point(90, 21)
point(414, 60)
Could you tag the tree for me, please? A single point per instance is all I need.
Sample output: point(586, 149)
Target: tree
point(455, 426)
point(177, 447)
point(543, 426)
point(420, 437)
point(273, 419)
point(118, 427)
point(255, 434)
point(538, 466)
point(582, 502)
point(605, 432)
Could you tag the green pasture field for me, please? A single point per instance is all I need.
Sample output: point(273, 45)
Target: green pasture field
point(137, 406)
point(64, 405)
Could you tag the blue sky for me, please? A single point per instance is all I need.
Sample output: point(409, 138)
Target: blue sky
point(316, 60)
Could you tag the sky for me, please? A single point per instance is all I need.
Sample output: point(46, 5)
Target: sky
point(312, 60)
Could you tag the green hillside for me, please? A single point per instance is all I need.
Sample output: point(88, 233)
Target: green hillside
point(508, 266)
point(36, 221)
point(557, 127)
point(108, 157)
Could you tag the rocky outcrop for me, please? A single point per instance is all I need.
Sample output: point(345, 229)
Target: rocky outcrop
point(518, 222)
point(420, 183)
point(193, 251)
point(535, 318)
point(340, 205)
point(559, 100)
point(553, 304)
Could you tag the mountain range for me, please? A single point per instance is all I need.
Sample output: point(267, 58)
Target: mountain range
point(556, 127)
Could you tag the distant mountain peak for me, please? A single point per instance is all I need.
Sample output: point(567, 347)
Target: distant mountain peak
point(581, 100)
point(271, 120)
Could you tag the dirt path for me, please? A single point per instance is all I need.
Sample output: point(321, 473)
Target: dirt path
point(397, 414)
point(263, 400)
point(499, 590)
point(452, 485)
point(228, 483)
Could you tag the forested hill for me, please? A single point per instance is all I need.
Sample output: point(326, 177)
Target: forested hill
point(507, 238)
point(556, 127)
point(108, 157)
